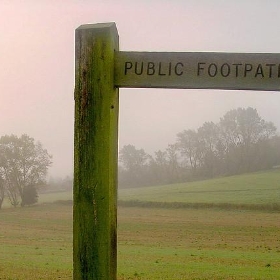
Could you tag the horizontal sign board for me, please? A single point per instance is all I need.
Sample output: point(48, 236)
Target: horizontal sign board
point(192, 70)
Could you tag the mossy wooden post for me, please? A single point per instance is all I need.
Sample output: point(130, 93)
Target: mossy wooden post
point(95, 154)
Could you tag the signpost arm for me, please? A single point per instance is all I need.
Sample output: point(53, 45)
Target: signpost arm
point(95, 153)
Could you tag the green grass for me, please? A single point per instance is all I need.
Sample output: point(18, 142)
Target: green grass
point(198, 244)
point(36, 243)
point(157, 243)
point(260, 188)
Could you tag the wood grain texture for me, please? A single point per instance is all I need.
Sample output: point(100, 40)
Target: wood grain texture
point(95, 153)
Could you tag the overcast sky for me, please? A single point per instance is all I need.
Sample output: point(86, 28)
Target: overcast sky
point(37, 66)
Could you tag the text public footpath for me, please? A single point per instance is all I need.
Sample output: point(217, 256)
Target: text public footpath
point(260, 70)
point(240, 71)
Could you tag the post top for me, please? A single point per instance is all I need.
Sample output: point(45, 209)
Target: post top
point(99, 28)
point(98, 25)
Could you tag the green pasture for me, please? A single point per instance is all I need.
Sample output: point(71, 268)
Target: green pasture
point(255, 188)
point(198, 244)
point(36, 243)
point(156, 243)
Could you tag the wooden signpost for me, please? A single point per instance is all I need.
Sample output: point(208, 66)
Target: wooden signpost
point(95, 154)
point(100, 70)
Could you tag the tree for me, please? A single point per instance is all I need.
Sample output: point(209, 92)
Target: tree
point(132, 158)
point(240, 142)
point(208, 134)
point(245, 126)
point(159, 168)
point(134, 163)
point(23, 164)
point(242, 131)
point(174, 168)
point(189, 144)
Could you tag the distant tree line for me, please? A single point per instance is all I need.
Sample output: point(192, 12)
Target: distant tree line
point(241, 142)
point(23, 169)
point(58, 184)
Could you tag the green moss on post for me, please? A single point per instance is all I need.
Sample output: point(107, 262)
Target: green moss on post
point(95, 154)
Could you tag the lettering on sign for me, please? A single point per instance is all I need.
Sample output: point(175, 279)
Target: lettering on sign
point(198, 70)
point(152, 68)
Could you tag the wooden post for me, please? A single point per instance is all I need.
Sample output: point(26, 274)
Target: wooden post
point(95, 154)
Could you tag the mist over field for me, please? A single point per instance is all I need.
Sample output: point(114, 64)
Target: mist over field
point(204, 207)
point(37, 74)
point(152, 119)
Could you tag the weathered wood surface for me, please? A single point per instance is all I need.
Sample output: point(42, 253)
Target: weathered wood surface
point(205, 70)
point(95, 154)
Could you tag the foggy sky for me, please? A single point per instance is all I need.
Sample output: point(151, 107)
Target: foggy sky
point(37, 66)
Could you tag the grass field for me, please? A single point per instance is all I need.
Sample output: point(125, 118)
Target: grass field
point(36, 243)
point(198, 244)
point(262, 188)
point(155, 243)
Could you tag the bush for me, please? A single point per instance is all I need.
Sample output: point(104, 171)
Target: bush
point(30, 196)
